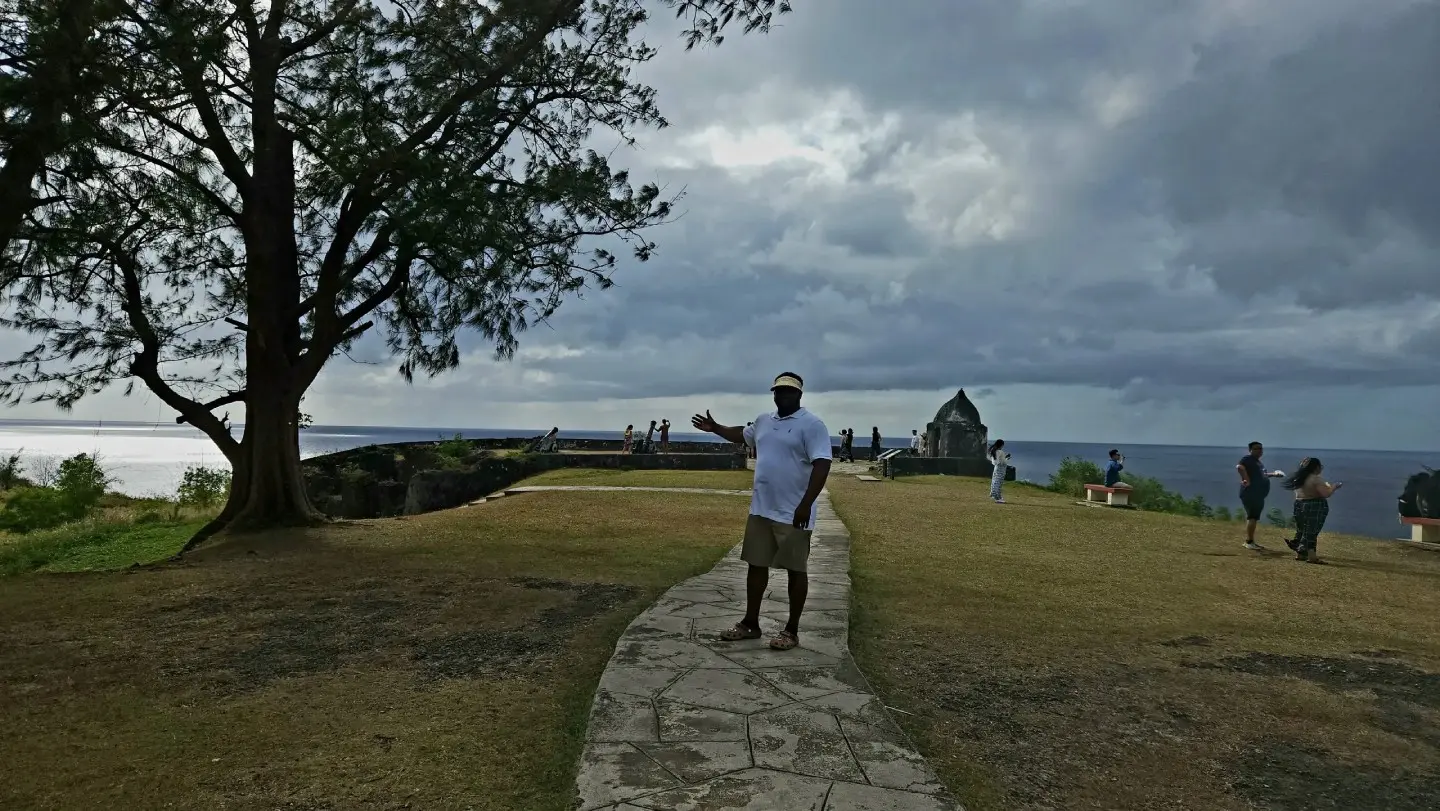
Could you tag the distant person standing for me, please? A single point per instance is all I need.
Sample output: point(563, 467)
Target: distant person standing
point(1312, 506)
point(847, 444)
point(1001, 460)
point(924, 444)
point(664, 436)
point(749, 451)
point(629, 439)
point(792, 462)
point(914, 442)
point(874, 442)
point(1112, 470)
point(1254, 489)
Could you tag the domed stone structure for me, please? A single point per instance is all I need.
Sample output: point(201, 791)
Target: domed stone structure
point(956, 431)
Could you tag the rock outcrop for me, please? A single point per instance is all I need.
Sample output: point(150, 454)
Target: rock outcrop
point(957, 431)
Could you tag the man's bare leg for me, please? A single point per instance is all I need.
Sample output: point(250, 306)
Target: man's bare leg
point(799, 590)
point(756, 581)
point(1250, 530)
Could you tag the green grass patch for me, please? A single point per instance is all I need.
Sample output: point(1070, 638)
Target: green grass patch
point(90, 546)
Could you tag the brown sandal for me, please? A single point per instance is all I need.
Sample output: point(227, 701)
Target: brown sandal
point(738, 632)
point(785, 640)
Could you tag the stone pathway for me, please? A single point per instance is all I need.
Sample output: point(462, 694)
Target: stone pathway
point(684, 721)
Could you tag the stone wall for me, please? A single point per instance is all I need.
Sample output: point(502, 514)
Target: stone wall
point(432, 490)
point(411, 478)
point(906, 465)
point(520, 443)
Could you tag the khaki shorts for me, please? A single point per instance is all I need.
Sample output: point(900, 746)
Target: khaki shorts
point(775, 545)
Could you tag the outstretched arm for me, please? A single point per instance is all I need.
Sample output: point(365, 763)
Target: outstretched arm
point(729, 433)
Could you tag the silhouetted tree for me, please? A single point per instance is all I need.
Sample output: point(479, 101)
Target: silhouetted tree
point(270, 180)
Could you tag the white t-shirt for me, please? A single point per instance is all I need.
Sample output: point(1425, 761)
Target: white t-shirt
point(914, 442)
point(785, 447)
point(1001, 459)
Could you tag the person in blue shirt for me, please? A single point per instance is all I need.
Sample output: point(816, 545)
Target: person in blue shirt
point(1112, 470)
point(1254, 488)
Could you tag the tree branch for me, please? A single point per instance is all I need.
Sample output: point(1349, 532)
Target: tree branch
point(146, 363)
point(227, 399)
point(341, 16)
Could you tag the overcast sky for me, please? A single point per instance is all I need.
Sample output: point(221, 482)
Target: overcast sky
point(1178, 221)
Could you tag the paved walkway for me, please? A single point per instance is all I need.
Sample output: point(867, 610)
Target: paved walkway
point(684, 721)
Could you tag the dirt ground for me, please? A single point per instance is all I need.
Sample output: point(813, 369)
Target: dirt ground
point(439, 661)
point(1049, 656)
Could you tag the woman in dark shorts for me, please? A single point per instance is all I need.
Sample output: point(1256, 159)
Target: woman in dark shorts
point(1254, 488)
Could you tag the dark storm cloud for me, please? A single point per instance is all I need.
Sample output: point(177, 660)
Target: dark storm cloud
point(1313, 171)
point(1180, 174)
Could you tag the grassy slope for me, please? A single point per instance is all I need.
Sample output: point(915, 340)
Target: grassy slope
point(439, 661)
point(122, 531)
point(1060, 656)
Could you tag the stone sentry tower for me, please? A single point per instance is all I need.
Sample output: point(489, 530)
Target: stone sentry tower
point(957, 430)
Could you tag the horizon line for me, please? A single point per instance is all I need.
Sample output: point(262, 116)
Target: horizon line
point(525, 433)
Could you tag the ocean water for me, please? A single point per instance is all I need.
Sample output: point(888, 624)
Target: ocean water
point(148, 459)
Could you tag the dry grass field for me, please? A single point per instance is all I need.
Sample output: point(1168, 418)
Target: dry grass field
point(1046, 655)
point(440, 661)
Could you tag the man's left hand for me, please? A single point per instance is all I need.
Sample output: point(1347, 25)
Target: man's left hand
point(802, 516)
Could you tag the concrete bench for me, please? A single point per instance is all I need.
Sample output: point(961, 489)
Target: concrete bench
point(1118, 496)
point(1423, 530)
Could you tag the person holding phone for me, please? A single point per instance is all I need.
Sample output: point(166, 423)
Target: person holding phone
point(1112, 470)
point(1001, 459)
point(1312, 505)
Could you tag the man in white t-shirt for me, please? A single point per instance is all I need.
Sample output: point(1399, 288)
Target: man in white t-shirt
point(914, 442)
point(792, 461)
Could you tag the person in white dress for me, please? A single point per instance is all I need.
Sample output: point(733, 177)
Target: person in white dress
point(1001, 460)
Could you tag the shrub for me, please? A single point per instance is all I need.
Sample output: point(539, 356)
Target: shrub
point(35, 508)
point(43, 471)
point(81, 479)
point(1278, 517)
point(1073, 474)
point(152, 515)
point(10, 471)
point(1146, 493)
point(456, 448)
point(203, 486)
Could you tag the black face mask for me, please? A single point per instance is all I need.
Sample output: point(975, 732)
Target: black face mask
point(787, 401)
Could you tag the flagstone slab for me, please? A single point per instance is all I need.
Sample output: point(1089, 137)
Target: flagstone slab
point(805, 741)
point(689, 722)
point(740, 691)
point(618, 771)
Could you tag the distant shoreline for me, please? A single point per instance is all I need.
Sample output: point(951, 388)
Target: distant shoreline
point(445, 432)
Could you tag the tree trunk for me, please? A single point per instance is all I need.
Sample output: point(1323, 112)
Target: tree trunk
point(272, 489)
point(267, 486)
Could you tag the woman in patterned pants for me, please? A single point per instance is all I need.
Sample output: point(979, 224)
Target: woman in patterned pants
point(1001, 459)
point(1312, 505)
